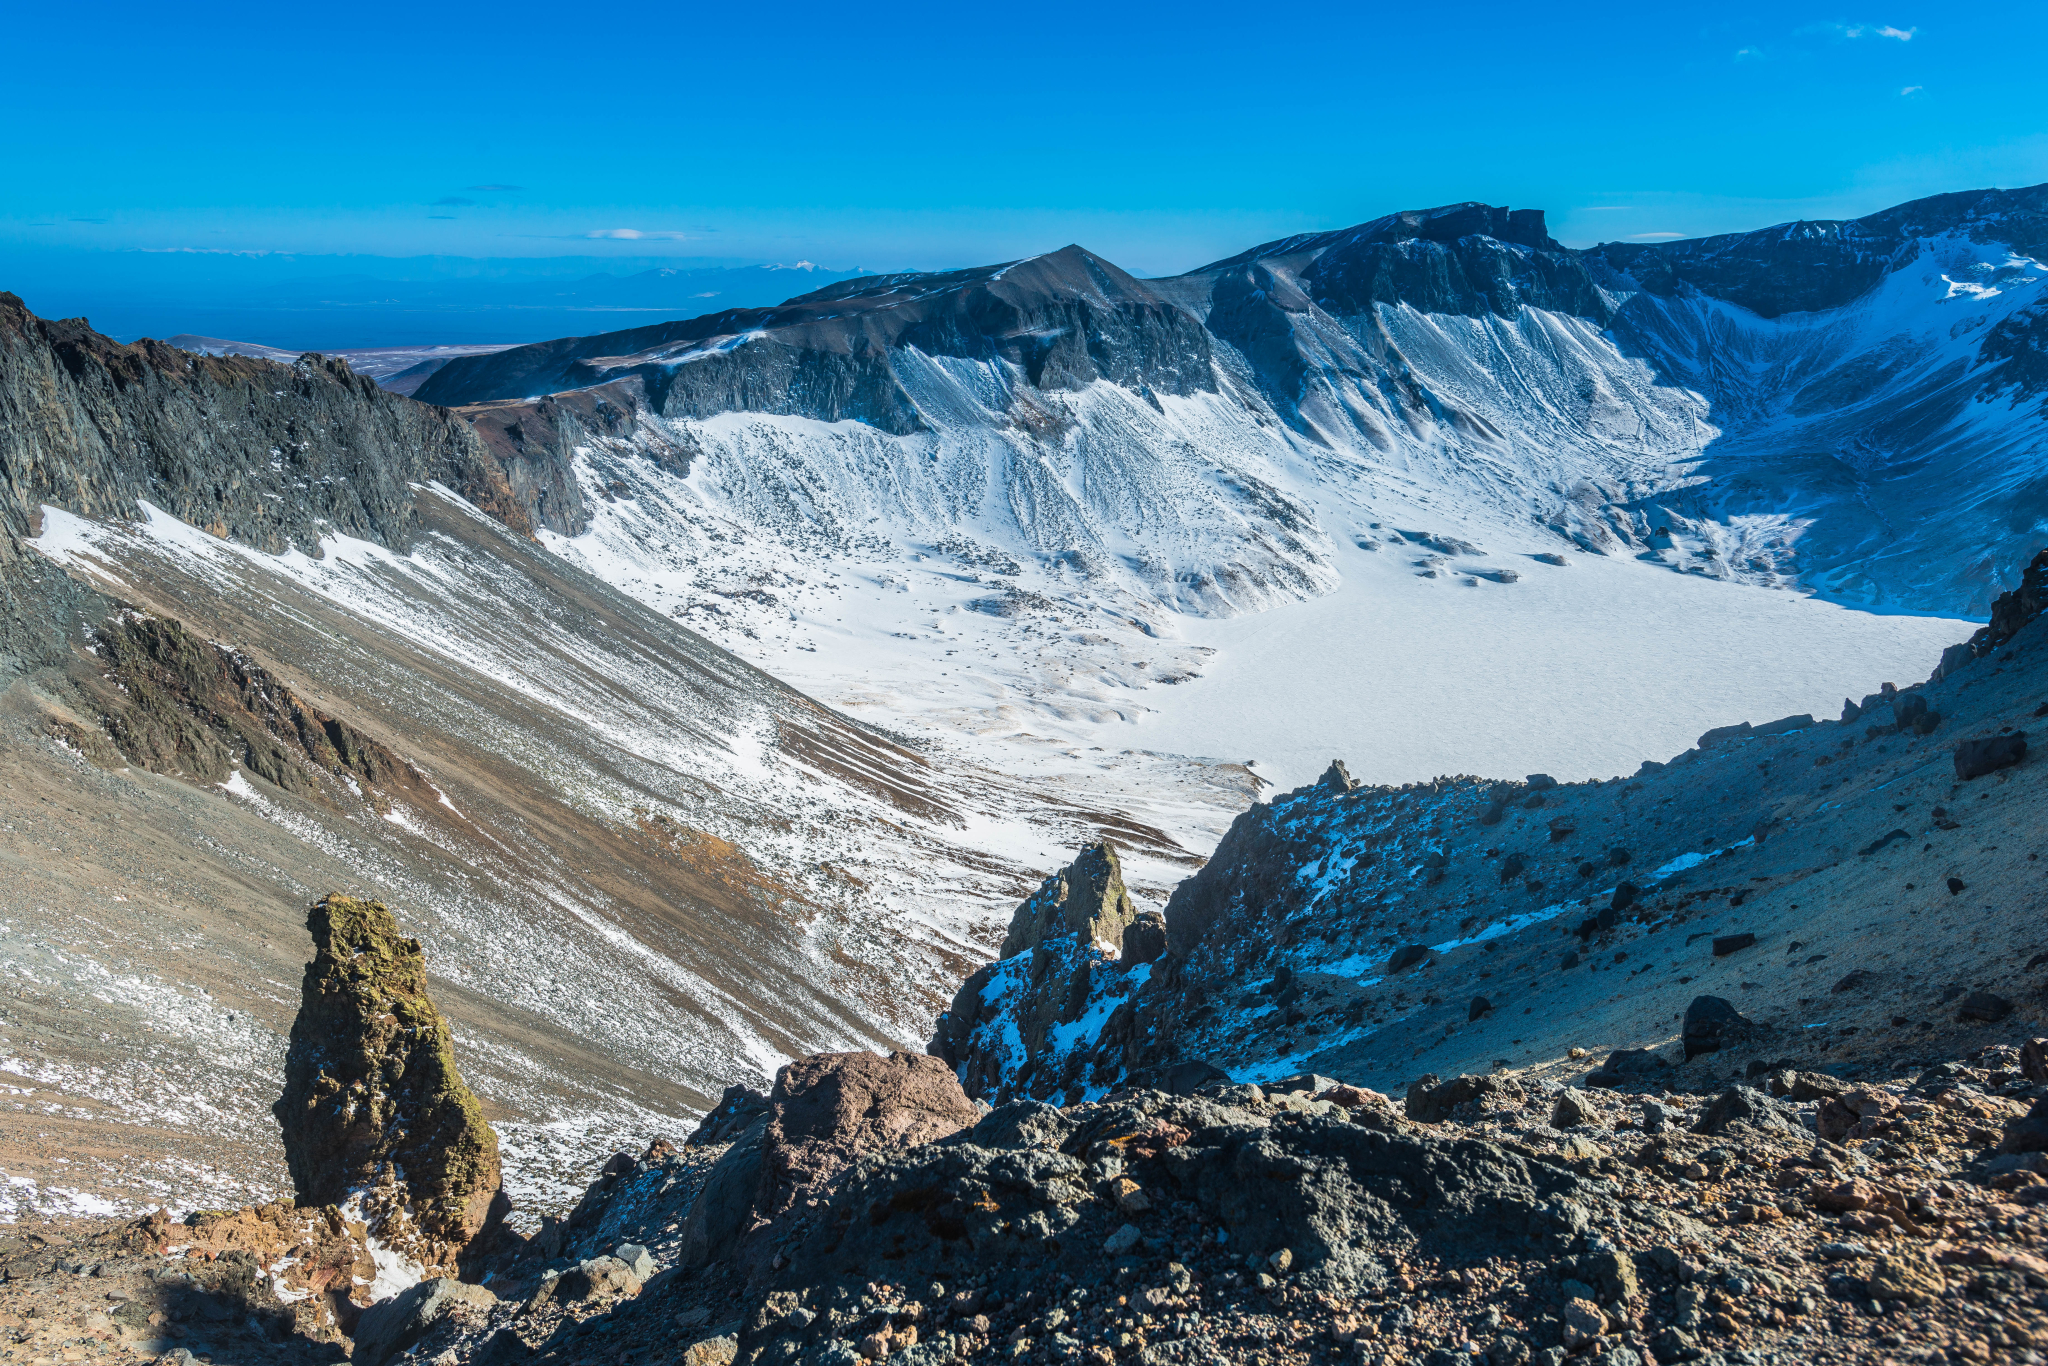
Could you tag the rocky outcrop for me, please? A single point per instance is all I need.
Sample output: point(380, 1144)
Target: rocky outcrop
point(375, 1116)
point(826, 1112)
point(174, 703)
point(271, 455)
point(2013, 610)
point(1086, 900)
point(1074, 948)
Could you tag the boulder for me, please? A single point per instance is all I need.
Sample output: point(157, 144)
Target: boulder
point(1984, 1007)
point(391, 1326)
point(2028, 1133)
point(1573, 1109)
point(1478, 1010)
point(1851, 1113)
point(1720, 734)
point(1743, 1105)
point(372, 1101)
point(1629, 1065)
point(1731, 943)
point(2034, 1060)
point(831, 1108)
point(1022, 1124)
point(735, 1113)
point(1975, 758)
point(1710, 1021)
point(595, 1280)
point(724, 1210)
point(1431, 1100)
point(1311, 1082)
point(1186, 1077)
point(1407, 956)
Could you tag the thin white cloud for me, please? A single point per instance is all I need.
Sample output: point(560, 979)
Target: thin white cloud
point(1911, 89)
point(1891, 31)
point(638, 235)
point(1653, 236)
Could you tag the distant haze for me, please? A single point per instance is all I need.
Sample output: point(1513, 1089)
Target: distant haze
point(315, 303)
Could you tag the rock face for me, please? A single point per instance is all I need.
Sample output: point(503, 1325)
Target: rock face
point(173, 702)
point(274, 456)
point(1074, 948)
point(373, 1110)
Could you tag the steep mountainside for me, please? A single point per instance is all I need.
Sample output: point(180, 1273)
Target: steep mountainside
point(642, 869)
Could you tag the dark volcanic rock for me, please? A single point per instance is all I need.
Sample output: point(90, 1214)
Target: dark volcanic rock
point(826, 1112)
point(1800, 267)
point(1710, 1021)
point(1345, 1203)
point(372, 1102)
point(271, 455)
point(1743, 1105)
point(1144, 939)
point(1431, 1101)
point(830, 1108)
point(1975, 758)
point(1984, 1006)
point(1407, 956)
point(2028, 1133)
point(736, 1112)
point(2015, 609)
point(391, 1326)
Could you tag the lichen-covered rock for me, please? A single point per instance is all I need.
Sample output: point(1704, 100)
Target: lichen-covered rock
point(373, 1111)
point(1085, 900)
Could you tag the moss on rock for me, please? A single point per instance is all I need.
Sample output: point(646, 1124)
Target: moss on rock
point(373, 1108)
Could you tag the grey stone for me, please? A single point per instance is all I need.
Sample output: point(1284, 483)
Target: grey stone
point(391, 1326)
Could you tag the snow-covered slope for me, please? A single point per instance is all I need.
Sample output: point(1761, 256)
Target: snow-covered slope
point(1022, 500)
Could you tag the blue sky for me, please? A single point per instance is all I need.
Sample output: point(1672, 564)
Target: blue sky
point(924, 135)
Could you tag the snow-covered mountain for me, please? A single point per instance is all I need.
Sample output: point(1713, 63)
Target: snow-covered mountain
point(1016, 498)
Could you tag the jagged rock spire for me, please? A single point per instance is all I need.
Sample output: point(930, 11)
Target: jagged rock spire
point(373, 1108)
point(1085, 900)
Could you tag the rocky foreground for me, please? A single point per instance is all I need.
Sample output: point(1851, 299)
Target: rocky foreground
point(866, 1210)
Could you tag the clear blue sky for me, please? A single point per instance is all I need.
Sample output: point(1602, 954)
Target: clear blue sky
point(925, 135)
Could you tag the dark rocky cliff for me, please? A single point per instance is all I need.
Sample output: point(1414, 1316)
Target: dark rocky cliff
point(270, 455)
